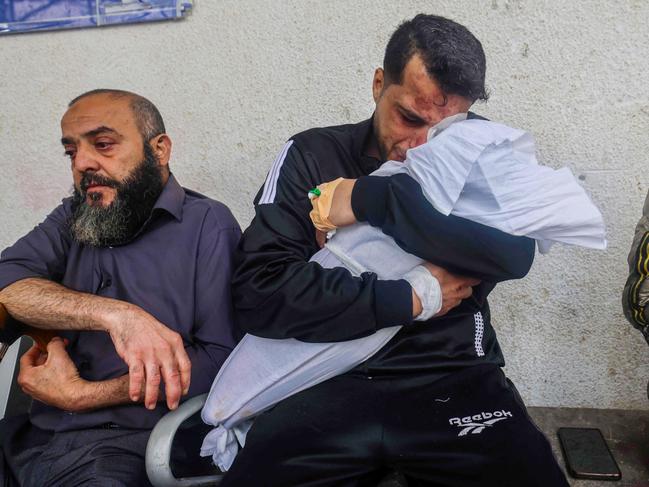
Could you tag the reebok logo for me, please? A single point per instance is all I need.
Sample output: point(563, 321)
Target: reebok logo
point(478, 422)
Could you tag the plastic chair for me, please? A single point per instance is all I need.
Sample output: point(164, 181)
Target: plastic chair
point(13, 400)
point(160, 453)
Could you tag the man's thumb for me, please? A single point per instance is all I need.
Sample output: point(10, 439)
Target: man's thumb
point(56, 344)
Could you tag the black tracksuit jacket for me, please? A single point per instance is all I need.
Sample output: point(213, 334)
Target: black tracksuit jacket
point(279, 294)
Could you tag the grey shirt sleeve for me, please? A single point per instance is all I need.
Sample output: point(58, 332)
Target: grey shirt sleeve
point(213, 331)
point(41, 253)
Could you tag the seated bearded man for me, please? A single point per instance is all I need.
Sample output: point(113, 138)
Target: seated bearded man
point(132, 272)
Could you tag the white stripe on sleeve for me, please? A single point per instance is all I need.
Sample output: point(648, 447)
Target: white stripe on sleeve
point(270, 186)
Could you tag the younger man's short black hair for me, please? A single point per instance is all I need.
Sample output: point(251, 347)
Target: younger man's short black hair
point(452, 55)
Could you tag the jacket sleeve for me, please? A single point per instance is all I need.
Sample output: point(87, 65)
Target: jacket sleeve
point(636, 290)
point(398, 206)
point(278, 293)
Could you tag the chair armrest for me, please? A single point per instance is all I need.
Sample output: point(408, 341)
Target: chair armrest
point(158, 449)
point(3, 319)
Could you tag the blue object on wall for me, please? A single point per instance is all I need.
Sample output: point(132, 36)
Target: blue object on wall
point(34, 15)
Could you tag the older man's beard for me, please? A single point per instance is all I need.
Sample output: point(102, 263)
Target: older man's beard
point(117, 223)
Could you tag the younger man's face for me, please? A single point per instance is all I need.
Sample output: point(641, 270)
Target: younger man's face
point(406, 111)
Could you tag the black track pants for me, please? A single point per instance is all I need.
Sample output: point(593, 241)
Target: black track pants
point(468, 429)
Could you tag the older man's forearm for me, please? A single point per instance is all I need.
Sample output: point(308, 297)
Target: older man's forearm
point(152, 351)
point(48, 305)
point(90, 396)
point(93, 395)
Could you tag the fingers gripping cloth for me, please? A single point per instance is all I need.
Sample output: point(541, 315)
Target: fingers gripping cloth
point(321, 200)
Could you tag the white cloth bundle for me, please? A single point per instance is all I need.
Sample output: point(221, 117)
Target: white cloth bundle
point(488, 173)
point(480, 170)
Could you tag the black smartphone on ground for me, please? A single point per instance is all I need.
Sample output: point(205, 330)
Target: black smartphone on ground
point(587, 455)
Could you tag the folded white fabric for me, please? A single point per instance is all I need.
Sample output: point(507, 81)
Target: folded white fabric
point(480, 170)
point(488, 172)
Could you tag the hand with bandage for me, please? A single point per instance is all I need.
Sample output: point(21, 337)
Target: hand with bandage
point(332, 208)
point(332, 204)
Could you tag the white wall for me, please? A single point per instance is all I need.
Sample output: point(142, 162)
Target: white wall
point(237, 78)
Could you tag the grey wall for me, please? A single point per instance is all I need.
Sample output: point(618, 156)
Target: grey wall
point(237, 78)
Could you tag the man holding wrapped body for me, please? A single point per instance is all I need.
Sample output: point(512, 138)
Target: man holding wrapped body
point(396, 409)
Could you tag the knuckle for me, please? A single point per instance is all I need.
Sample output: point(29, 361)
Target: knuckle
point(164, 349)
point(133, 355)
point(173, 376)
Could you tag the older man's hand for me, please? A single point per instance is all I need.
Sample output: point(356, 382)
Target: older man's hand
point(153, 353)
point(51, 377)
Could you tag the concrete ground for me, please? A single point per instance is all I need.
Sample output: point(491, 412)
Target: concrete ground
point(626, 432)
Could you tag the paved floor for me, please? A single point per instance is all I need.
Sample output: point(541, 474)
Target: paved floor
point(626, 432)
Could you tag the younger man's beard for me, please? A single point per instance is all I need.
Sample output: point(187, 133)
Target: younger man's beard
point(118, 222)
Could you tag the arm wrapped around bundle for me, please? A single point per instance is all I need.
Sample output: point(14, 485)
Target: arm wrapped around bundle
point(474, 169)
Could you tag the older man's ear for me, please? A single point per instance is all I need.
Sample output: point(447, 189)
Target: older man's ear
point(161, 145)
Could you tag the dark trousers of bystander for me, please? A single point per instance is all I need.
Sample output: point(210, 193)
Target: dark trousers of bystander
point(32, 457)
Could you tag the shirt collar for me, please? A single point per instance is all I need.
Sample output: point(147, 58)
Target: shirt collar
point(360, 135)
point(171, 199)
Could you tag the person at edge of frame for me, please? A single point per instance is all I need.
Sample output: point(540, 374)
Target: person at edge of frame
point(635, 295)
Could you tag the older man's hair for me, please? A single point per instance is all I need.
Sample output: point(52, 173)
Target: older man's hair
point(452, 55)
point(147, 117)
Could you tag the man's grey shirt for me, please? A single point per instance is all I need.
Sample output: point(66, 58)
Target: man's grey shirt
point(177, 268)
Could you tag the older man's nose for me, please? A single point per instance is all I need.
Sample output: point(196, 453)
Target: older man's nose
point(84, 160)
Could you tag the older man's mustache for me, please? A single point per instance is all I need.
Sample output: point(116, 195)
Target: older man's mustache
point(92, 179)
